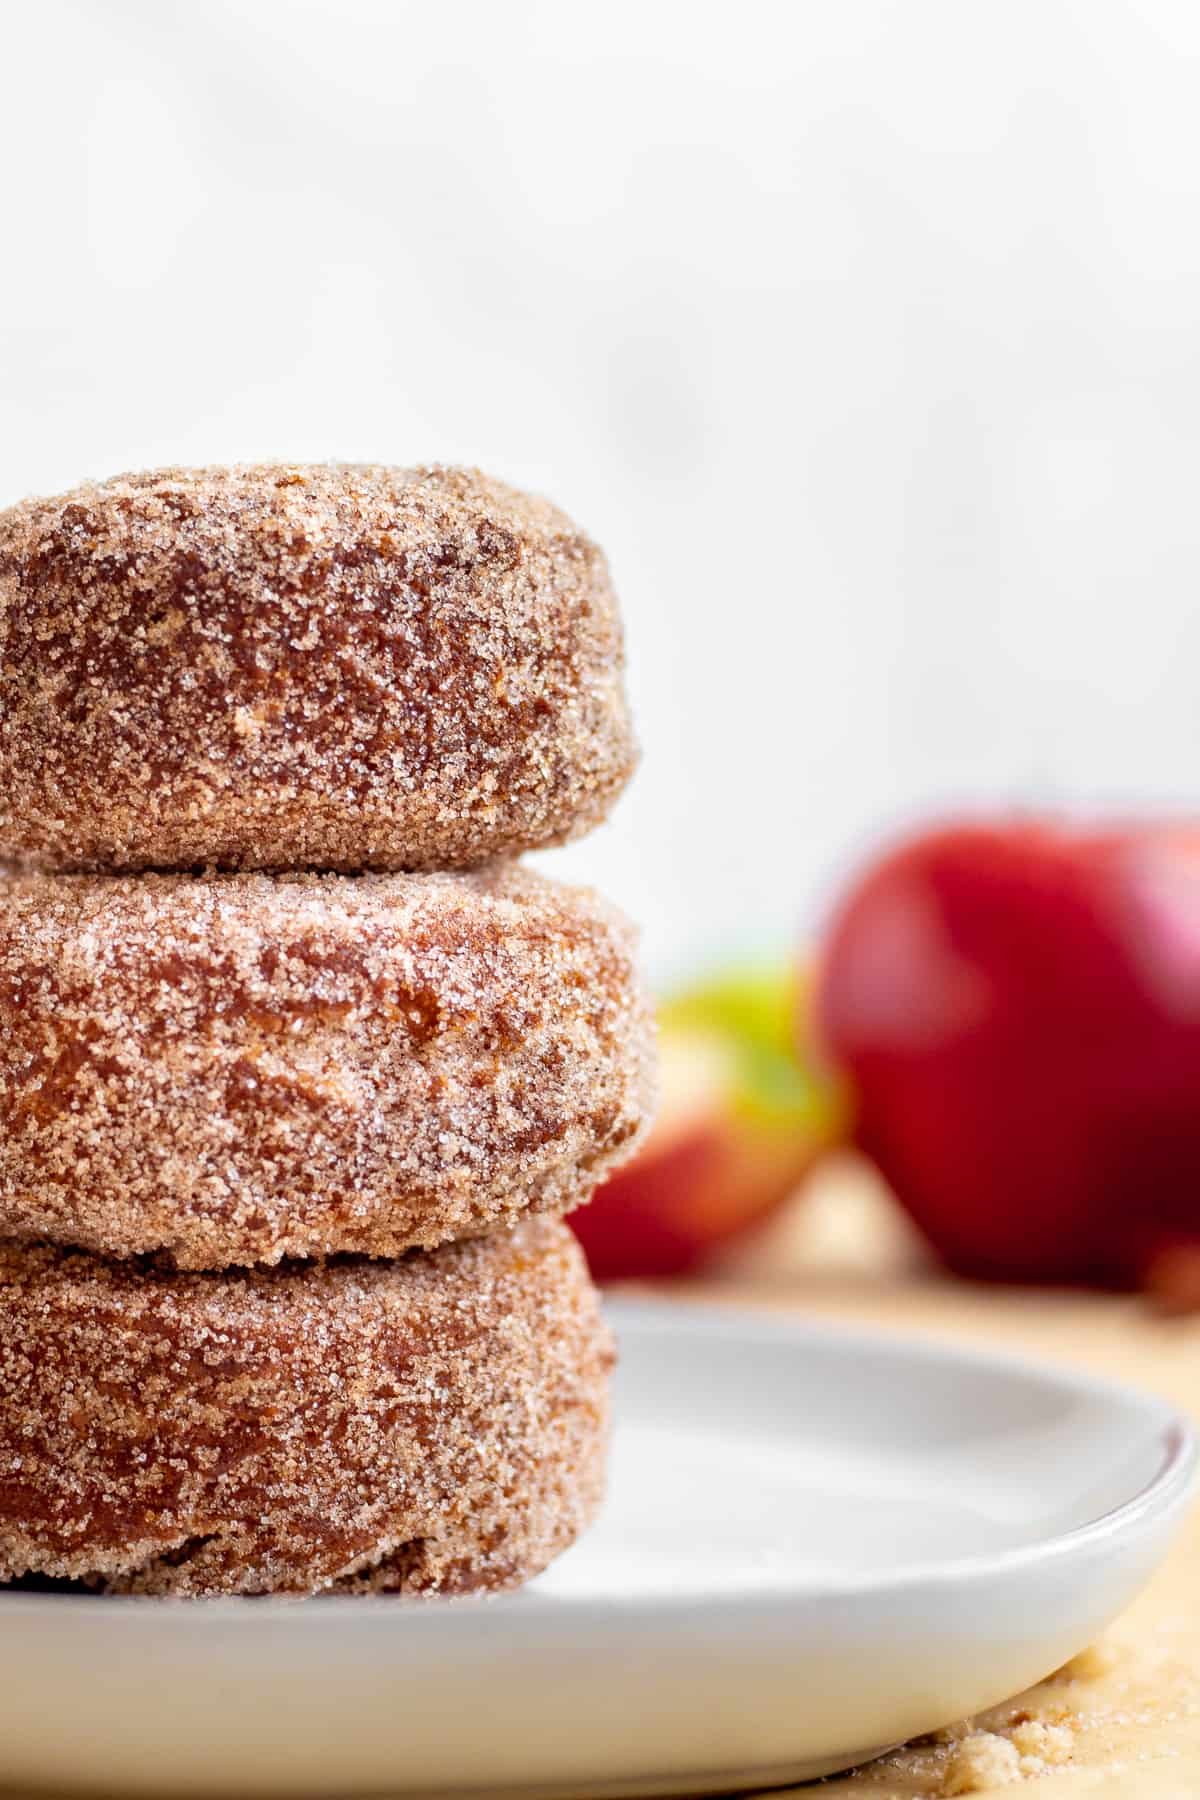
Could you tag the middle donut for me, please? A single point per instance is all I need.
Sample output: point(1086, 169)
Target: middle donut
point(231, 1069)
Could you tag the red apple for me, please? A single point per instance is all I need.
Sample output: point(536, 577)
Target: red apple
point(740, 1121)
point(1018, 1007)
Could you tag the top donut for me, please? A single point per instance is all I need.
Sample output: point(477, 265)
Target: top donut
point(333, 667)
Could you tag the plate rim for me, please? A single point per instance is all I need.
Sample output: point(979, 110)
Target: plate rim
point(1171, 1486)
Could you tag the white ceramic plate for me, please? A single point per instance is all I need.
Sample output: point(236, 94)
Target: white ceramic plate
point(817, 1544)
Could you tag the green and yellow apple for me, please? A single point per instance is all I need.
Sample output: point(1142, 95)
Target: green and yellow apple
point(742, 1117)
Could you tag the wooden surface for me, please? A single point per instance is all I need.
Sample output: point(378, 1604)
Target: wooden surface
point(1125, 1719)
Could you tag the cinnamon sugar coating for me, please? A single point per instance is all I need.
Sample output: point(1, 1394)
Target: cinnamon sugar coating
point(438, 1423)
point(333, 667)
point(239, 1068)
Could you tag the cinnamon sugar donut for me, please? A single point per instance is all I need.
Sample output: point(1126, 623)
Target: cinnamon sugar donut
point(285, 667)
point(433, 1424)
point(238, 1068)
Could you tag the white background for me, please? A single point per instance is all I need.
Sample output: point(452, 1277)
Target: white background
point(866, 337)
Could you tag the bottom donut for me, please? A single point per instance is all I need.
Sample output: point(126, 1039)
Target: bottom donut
point(436, 1424)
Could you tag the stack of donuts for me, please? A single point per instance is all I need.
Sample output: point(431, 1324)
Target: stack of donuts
point(299, 1068)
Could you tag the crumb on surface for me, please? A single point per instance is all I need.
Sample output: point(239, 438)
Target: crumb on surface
point(1042, 1745)
point(970, 1758)
point(982, 1760)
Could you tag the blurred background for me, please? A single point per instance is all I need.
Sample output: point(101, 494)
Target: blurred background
point(861, 335)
